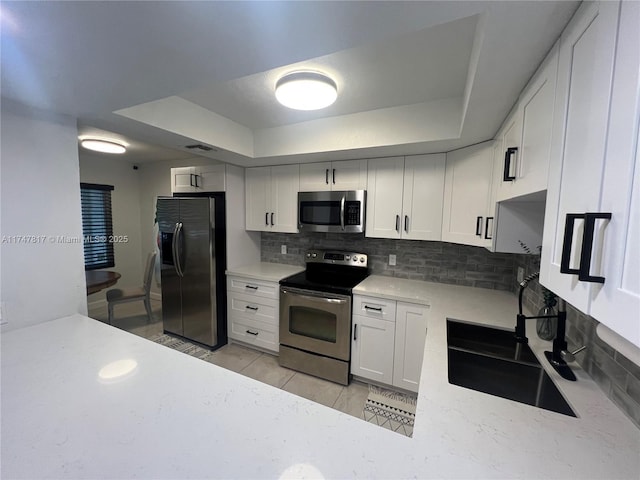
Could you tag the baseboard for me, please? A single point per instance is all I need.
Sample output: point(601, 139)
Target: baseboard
point(97, 304)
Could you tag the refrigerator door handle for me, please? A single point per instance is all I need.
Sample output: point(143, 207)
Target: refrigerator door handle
point(176, 254)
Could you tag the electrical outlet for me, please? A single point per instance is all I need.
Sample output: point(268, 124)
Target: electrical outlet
point(392, 259)
point(283, 249)
point(520, 276)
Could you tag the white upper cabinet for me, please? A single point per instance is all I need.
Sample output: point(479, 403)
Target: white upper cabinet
point(346, 175)
point(616, 302)
point(526, 135)
point(272, 198)
point(468, 203)
point(206, 178)
point(404, 198)
point(589, 259)
point(578, 143)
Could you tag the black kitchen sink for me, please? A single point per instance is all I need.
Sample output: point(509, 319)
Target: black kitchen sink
point(489, 360)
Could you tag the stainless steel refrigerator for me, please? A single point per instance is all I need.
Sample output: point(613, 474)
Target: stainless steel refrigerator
point(193, 253)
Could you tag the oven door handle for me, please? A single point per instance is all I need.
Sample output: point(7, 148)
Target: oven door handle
point(342, 203)
point(319, 297)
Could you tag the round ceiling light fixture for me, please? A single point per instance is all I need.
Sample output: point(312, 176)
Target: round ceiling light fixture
point(103, 146)
point(306, 91)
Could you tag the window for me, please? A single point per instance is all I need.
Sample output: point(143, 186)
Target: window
point(97, 225)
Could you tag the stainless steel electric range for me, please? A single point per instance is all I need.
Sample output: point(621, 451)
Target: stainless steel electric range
point(315, 314)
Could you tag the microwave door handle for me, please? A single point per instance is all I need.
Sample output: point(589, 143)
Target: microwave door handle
point(342, 204)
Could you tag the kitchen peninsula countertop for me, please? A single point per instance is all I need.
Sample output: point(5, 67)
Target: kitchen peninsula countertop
point(269, 272)
point(60, 419)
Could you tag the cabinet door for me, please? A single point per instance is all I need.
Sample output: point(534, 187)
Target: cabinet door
point(183, 180)
point(315, 177)
point(510, 137)
point(348, 175)
point(258, 196)
point(211, 178)
point(384, 197)
point(537, 104)
point(411, 333)
point(285, 181)
point(423, 197)
point(467, 195)
point(585, 70)
point(616, 303)
point(372, 344)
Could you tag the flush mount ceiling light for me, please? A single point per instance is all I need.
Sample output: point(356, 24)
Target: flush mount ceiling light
point(306, 91)
point(104, 146)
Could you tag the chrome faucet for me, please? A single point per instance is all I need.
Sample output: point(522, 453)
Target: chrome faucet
point(556, 356)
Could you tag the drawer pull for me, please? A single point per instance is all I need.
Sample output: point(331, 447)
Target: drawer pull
point(376, 309)
point(255, 309)
point(252, 287)
point(252, 333)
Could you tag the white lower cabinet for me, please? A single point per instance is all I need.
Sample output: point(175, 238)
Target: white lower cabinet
point(387, 343)
point(411, 333)
point(253, 312)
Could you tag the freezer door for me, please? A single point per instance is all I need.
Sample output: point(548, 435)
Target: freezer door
point(197, 265)
point(168, 216)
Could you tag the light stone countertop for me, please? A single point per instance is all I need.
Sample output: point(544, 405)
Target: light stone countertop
point(61, 420)
point(269, 272)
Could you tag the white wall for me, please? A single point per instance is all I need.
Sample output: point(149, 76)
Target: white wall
point(40, 196)
point(125, 203)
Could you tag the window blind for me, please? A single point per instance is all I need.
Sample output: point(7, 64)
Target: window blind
point(97, 225)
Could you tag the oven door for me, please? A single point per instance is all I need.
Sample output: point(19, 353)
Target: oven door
point(317, 322)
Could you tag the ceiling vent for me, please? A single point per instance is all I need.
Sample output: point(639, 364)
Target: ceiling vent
point(199, 146)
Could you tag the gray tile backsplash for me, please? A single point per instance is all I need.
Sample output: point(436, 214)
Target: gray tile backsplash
point(418, 260)
point(616, 375)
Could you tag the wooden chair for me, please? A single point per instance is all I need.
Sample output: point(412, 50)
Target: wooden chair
point(134, 294)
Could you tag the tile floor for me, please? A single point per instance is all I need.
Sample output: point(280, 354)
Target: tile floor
point(251, 363)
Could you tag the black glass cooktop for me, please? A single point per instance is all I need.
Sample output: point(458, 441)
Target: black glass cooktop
point(327, 278)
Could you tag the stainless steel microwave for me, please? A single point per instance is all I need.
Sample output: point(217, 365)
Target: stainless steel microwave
point(340, 212)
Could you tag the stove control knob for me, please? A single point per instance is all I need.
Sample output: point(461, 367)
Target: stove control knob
point(361, 259)
point(308, 255)
point(355, 258)
point(314, 255)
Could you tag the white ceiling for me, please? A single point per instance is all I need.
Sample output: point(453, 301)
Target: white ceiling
point(413, 77)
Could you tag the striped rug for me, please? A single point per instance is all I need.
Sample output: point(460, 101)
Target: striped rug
point(391, 410)
point(182, 345)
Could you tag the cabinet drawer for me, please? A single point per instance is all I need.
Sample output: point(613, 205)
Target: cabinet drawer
point(373, 307)
point(252, 307)
point(248, 333)
point(256, 288)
